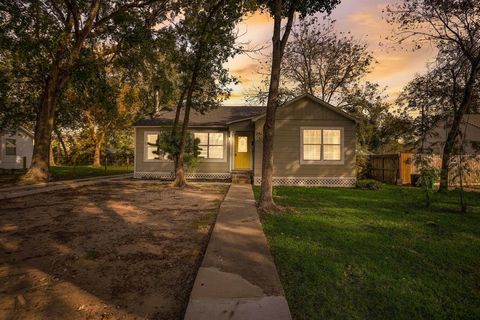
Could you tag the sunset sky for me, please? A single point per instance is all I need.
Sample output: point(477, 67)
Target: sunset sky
point(364, 19)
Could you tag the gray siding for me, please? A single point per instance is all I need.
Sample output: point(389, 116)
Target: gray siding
point(203, 166)
point(289, 120)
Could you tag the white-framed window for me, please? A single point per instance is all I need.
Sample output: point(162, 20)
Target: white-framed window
point(10, 147)
point(212, 145)
point(152, 151)
point(321, 145)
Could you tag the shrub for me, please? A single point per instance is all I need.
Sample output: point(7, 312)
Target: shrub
point(369, 184)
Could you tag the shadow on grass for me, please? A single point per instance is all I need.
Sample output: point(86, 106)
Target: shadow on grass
point(354, 254)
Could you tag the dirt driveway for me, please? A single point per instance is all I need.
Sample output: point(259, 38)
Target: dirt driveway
point(117, 250)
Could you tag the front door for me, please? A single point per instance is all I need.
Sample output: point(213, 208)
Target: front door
point(243, 150)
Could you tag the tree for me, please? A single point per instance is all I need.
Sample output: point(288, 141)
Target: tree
point(322, 62)
point(207, 40)
point(454, 26)
point(280, 9)
point(52, 39)
point(379, 130)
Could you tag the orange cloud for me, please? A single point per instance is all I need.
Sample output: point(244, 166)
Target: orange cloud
point(396, 66)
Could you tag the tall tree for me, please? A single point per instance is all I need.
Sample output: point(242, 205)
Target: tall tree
point(279, 10)
point(49, 38)
point(207, 38)
point(454, 26)
point(322, 62)
point(379, 129)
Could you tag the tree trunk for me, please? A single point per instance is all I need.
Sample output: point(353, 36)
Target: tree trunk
point(96, 154)
point(176, 121)
point(180, 180)
point(51, 156)
point(266, 202)
point(62, 143)
point(38, 171)
point(455, 129)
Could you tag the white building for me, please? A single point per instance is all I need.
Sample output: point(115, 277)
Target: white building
point(14, 148)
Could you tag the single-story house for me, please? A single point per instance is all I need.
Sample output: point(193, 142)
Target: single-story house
point(314, 144)
point(470, 131)
point(16, 149)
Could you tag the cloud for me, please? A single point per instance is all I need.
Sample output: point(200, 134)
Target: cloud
point(364, 19)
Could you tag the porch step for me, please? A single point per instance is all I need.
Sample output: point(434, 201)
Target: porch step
point(241, 177)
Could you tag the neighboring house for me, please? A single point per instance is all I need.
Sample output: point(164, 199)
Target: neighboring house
point(435, 141)
point(314, 144)
point(14, 147)
point(436, 136)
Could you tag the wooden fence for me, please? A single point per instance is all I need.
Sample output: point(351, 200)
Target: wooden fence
point(392, 168)
point(398, 168)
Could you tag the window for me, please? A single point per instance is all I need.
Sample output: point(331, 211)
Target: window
point(152, 150)
point(321, 145)
point(10, 147)
point(242, 144)
point(211, 144)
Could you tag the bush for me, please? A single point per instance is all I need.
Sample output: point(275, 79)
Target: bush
point(369, 184)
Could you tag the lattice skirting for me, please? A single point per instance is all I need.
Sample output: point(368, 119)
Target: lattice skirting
point(310, 181)
point(189, 175)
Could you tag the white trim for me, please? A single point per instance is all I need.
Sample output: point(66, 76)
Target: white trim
point(135, 150)
point(251, 136)
point(225, 157)
point(231, 140)
point(310, 181)
point(323, 162)
point(188, 175)
point(145, 152)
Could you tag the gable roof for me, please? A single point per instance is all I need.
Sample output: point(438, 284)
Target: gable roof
point(19, 128)
point(219, 117)
point(316, 100)
point(225, 115)
point(473, 119)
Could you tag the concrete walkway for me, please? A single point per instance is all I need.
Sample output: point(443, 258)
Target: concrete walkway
point(21, 191)
point(238, 278)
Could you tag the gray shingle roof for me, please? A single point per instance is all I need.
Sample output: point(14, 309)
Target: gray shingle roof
point(219, 117)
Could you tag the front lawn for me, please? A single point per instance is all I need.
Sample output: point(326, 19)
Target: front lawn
point(357, 254)
point(70, 172)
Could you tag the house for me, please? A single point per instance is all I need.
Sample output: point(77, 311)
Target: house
point(437, 135)
point(435, 141)
point(16, 149)
point(314, 144)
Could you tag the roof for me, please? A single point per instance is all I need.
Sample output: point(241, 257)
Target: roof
point(225, 115)
point(219, 117)
point(19, 128)
point(317, 100)
point(473, 119)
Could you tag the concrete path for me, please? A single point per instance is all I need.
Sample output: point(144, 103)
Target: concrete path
point(21, 191)
point(237, 278)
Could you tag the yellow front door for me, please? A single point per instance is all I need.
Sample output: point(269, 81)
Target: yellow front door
point(243, 150)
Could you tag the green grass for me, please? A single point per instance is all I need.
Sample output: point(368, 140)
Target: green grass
point(360, 254)
point(69, 172)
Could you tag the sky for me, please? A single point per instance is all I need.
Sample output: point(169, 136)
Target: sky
point(395, 66)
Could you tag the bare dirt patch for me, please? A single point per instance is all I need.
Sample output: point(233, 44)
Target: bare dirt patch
point(116, 250)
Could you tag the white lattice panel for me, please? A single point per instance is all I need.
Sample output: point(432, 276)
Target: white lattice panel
point(310, 181)
point(189, 175)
